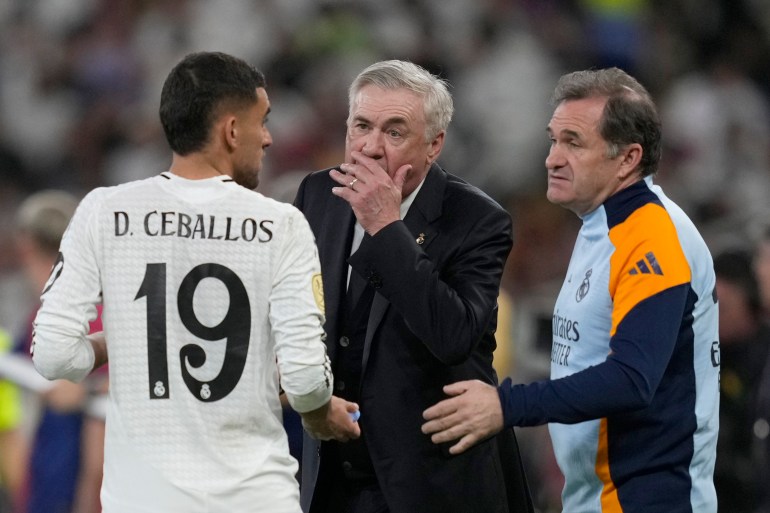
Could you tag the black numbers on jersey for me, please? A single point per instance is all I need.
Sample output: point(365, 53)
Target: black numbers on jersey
point(154, 288)
point(234, 328)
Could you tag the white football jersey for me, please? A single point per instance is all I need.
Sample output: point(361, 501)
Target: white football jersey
point(210, 292)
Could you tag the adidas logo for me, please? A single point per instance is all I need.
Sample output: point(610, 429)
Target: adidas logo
point(647, 265)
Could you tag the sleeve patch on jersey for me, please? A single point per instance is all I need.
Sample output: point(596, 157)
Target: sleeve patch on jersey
point(648, 259)
point(647, 265)
point(318, 291)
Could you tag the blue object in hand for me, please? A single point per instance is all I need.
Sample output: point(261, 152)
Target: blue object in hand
point(354, 416)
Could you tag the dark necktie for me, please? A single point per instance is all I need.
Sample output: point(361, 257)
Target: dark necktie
point(359, 295)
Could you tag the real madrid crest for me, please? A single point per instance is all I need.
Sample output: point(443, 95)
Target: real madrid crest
point(582, 290)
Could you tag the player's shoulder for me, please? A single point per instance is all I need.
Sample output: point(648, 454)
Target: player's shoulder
point(95, 199)
point(255, 200)
point(282, 216)
point(108, 192)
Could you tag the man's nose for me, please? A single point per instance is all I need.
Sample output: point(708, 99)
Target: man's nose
point(554, 158)
point(373, 145)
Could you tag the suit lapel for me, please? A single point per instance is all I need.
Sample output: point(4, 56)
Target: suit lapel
point(425, 209)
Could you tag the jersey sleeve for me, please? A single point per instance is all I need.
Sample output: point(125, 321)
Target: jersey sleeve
point(296, 317)
point(650, 290)
point(60, 349)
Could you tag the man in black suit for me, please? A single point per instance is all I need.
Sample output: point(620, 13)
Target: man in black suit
point(423, 253)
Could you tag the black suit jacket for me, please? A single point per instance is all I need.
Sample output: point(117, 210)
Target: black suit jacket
point(432, 321)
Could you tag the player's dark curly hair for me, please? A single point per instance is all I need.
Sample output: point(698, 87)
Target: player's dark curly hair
point(197, 90)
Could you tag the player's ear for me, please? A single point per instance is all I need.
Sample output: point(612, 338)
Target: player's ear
point(228, 129)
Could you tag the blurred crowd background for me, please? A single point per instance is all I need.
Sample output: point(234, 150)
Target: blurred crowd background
point(80, 84)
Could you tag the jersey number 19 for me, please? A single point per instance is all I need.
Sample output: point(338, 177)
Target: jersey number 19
point(234, 327)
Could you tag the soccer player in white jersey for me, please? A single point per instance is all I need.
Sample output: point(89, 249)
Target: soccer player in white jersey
point(212, 301)
point(633, 399)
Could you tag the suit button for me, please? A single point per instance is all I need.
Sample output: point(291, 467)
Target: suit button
point(339, 385)
point(344, 341)
point(347, 466)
